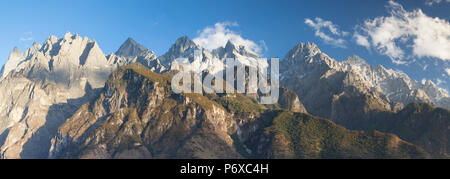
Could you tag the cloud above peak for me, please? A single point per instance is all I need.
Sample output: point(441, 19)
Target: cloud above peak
point(28, 36)
point(405, 30)
point(432, 2)
point(327, 31)
point(217, 36)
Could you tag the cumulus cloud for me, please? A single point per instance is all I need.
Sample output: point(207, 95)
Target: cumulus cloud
point(448, 71)
point(28, 36)
point(263, 45)
point(218, 36)
point(23, 39)
point(361, 40)
point(431, 2)
point(333, 37)
point(407, 30)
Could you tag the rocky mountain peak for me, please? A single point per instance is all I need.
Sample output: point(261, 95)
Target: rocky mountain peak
point(16, 51)
point(429, 83)
point(74, 50)
point(178, 49)
point(229, 47)
point(184, 43)
point(131, 51)
point(130, 48)
point(36, 47)
point(302, 51)
point(306, 48)
point(15, 57)
point(68, 35)
point(231, 50)
point(308, 54)
point(355, 60)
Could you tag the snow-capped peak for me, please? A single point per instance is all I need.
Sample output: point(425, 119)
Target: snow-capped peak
point(184, 43)
point(306, 61)
point(355, 60)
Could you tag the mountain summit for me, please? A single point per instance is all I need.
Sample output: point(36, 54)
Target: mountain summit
point(182, 46)
point(67, 98)
point(130, 48)
point(15, 57)
point(131, 52)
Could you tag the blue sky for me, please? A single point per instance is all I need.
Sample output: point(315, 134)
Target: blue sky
point(280, 24)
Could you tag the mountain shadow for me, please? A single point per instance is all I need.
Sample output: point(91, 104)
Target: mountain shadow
point(37, 147)
point(3, 136)
point(418, 123)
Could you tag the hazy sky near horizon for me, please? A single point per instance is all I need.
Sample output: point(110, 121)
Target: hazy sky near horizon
point(397, 34)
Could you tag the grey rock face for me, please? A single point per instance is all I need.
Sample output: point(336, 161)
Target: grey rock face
point(131, 51)
point(130, 48)
point(142, 119)
point(199, 59)
point(14, 58)
point(320, 80)
point(46, 85)
point(179, 49)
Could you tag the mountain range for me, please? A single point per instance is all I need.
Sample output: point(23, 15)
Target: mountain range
point(67, 99)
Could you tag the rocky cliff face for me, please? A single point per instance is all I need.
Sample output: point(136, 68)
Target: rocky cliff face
point(137, 116)
point(359, 96)
point(43, 87)
point(321, 81)
point(60, 100)
point(14, 58)
point(131, 52)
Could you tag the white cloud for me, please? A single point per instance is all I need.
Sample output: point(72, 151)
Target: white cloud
point(424, 35)
point(362, 40)
point(448, 71)
point(23, 39)
point(431, 2)
point(424, 80)
point(28, 36)
point(399, 62)
point(319, 25)
point(218, 36)
point(263, 45)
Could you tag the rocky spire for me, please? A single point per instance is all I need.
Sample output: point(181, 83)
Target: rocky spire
point(355, 60)
point(33, 49)
point(130, 48)
point(230, 46)
point(15, 57)
point(182, 45)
